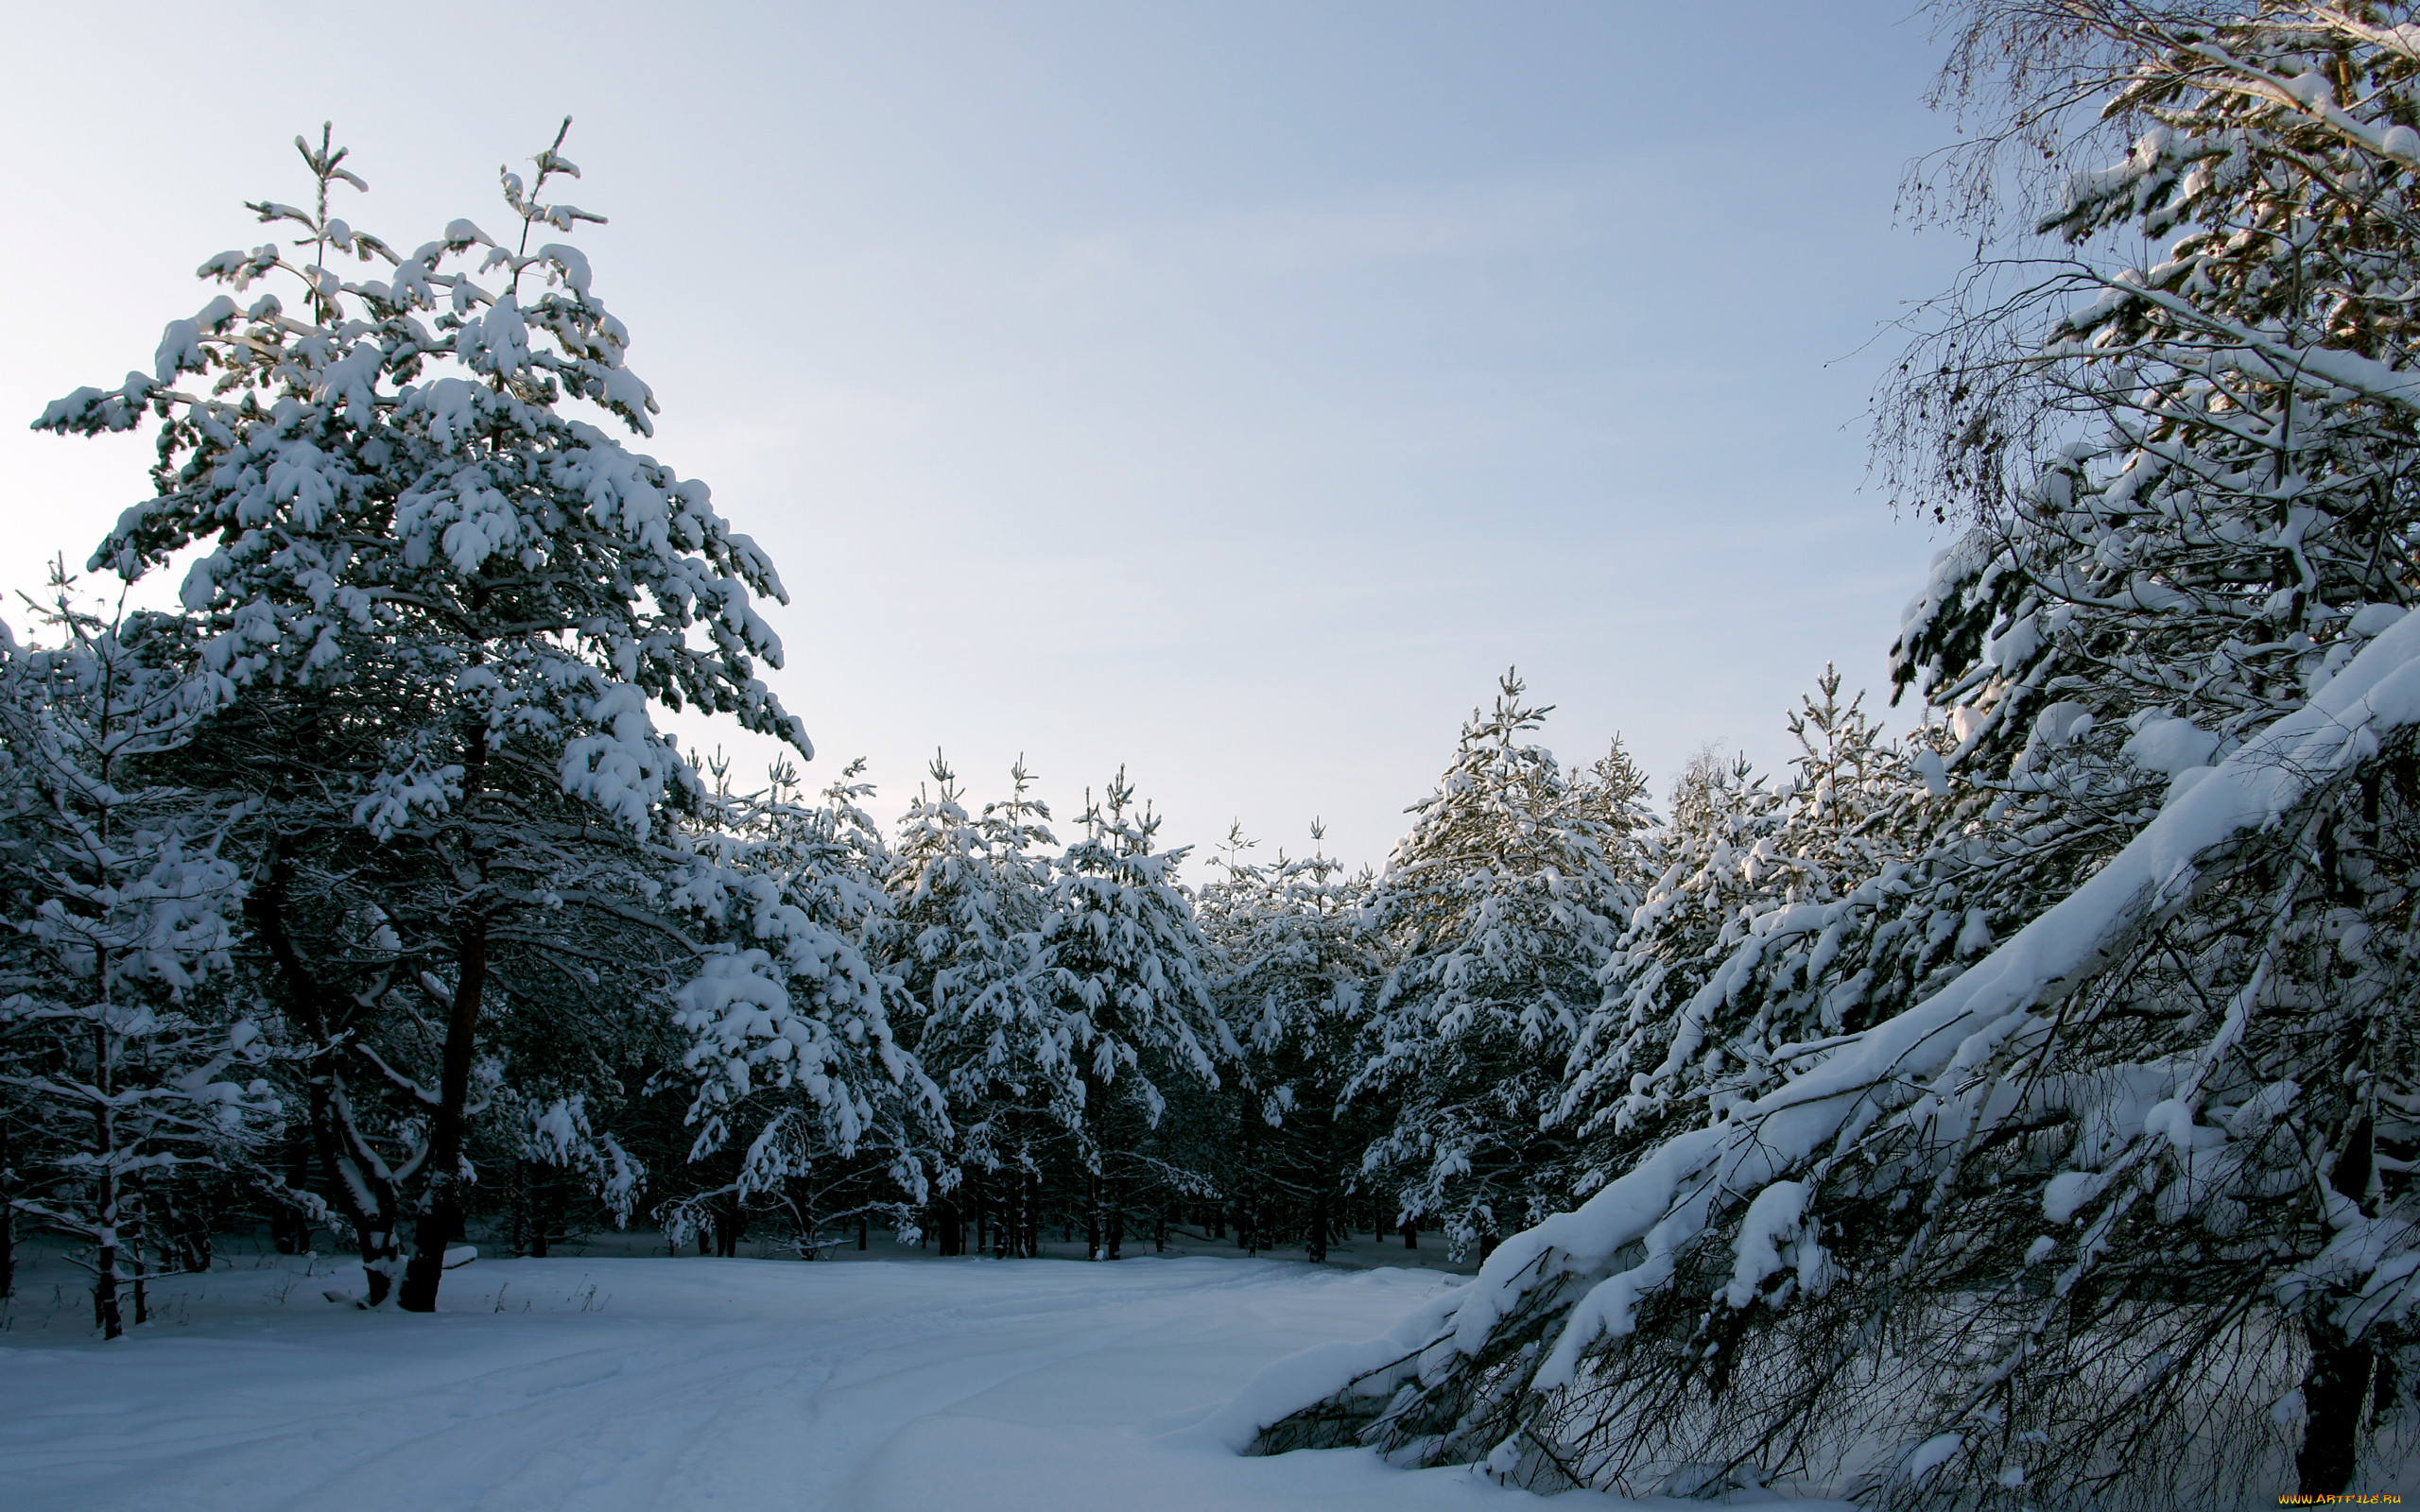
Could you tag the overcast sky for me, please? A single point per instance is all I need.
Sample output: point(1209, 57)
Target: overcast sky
point(1231, 391)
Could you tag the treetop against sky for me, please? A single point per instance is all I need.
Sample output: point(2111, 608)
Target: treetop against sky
point(1231, 395)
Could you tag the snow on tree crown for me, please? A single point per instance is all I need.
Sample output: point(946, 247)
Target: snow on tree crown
point(388, 465)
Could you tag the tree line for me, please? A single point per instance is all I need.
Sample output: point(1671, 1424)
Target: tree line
point(357, 894)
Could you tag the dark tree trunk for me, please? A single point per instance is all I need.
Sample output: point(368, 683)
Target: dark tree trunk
point(2334, 1395)
point(289, 1226)
point(517, 1242)
point(1410, 1234)
point(8, 1215)
point(1033, 1216)
point(107, 1315)
point(2336, 1392)
point(191, 1231)
point(553, 1204)
point(865, 1226)
point(1091, 1215)
point(1323, 1140)
point(441, 1220)
point(945, 1224)
point(731, 1221)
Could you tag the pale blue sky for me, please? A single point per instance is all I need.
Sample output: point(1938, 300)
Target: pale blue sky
point(1229, 391)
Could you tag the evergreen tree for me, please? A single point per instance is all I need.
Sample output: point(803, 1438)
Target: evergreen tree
point(1498, 911)
point(1763, 934)
point(1122, 966)
point(970, 895)
point(792, 1046)
point(1298, 964)
point(441, 606)
point(129, 1073)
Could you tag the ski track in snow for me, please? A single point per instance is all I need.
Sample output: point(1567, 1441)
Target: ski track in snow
point(710, 1384)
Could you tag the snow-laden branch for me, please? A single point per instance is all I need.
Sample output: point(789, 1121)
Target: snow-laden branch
point(1679, 1191)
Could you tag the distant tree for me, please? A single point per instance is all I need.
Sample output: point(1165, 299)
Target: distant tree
point(1298, 962)
point(970, 896)
point(1762, 935)
point(1498, 913)
point(800, 1081)
point(1122, 966)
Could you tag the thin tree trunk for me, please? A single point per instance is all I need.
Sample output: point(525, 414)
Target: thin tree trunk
point(1091, 1215)
point(731, 1222)
point(8, 1216)
point(289, 1227)
point(545, 1207)
point(1033, 1216)
point(520, 1207)
point(441, 1221)
point(1410, 1234)
point(1323, 1141)
point(106, 1312)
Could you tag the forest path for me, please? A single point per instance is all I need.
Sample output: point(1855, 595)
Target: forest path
point(662, 1385)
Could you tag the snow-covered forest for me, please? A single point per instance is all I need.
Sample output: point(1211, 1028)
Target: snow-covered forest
point(2009, 1102)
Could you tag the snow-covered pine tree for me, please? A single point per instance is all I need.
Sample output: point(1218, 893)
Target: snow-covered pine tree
point(970, 894)
point(1703, 870)
point(1297, 962)
point(803, 1088)
point(557, 1155)
point(1762, 936)
point(2120, 1213)
point(129, 1070)
point(1498, 913)
point(1122, 969)
point(443, 606)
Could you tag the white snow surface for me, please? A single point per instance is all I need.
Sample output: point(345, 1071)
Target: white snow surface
point(617, 1386)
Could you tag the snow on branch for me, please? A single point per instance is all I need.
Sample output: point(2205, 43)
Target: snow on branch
point(1682, 1188)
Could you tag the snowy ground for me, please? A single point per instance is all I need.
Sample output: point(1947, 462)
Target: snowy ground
point(620, 1384)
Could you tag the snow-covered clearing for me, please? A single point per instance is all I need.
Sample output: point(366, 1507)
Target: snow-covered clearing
point(617, 1386)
